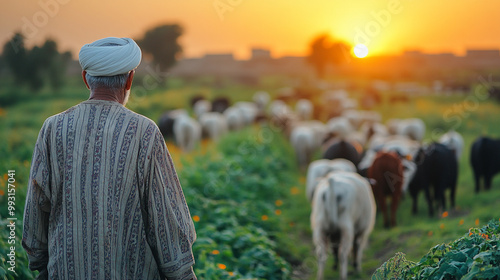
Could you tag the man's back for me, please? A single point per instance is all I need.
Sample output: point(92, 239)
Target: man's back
point(111, 198)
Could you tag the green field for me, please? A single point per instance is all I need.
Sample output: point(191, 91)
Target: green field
point(270, 235)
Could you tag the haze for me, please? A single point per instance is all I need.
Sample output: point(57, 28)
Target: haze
point(285, 27)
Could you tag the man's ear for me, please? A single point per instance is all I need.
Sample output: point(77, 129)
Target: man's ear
point(85, 78)
point(130, 77)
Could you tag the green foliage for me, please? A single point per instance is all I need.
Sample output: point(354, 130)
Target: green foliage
point(35, 66)
point(21, 270)
point(474, 256)
point(232, 197)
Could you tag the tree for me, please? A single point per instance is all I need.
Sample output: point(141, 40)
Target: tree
point(14, 55)
point(161, 43)
point(324, 51)
point(35, 66)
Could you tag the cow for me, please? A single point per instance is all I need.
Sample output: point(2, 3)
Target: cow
point(304, 109)
point(437, 167)
point(343, 214)
point(454, 141)
point(320, 168)
point(304, 143)
point(413, 128)
point(187, 132)
point(387, 172)
point(235, 118)
point(214, 125)
point(167, 120)
point(485, 160)
point(201, 107)
point(220, 104)
point(343, 149)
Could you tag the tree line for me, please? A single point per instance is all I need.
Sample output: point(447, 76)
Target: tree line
point(46, 64)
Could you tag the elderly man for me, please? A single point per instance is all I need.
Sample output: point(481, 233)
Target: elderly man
point(104, 200)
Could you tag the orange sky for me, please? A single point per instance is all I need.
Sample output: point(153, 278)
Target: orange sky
point(284, 26)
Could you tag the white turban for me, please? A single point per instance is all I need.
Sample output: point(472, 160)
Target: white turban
point(110, 56)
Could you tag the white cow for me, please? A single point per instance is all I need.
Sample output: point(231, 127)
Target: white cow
point(214, 124)
point(303, 140)
point(248, 110)
point(413, 128)
point(235, 118)
point(339, 127)
point(320, 168)
point(187, 132)
point(304, 109)
point(454, 141)
point(343, 213)
point(261, 98)
point(201, 107)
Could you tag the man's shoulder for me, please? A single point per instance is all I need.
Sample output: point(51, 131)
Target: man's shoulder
point(148, 125)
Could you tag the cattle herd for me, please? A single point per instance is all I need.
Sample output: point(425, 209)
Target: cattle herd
point(363, 161)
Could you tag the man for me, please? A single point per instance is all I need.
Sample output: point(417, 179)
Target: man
point(104, 200)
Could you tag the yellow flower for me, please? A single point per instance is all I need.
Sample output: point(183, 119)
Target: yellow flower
point(215, 252)
point(441, 226)
point(196, 218)
point(477, 222)
point(221, 266)
point(294, 190)
point(445, 214)
point(278, 212)
point(278, 202)
point(231, 273)
point(264, 217)
point(430, 233)
point(461, 222)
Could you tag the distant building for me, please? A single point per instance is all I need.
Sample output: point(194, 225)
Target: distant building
point(260, 54)
point(483, 54)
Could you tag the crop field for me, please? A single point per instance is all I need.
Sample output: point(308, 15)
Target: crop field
point(246, 192)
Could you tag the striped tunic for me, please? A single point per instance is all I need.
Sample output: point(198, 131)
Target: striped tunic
point(104, 200)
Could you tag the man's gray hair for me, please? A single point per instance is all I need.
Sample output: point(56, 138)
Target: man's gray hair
point(113, 83)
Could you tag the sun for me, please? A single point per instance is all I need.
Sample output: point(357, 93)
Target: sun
point(360, 50)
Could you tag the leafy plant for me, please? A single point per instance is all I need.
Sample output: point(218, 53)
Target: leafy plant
point(474, 256)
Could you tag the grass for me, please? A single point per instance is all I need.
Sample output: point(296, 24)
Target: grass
point(414, 235)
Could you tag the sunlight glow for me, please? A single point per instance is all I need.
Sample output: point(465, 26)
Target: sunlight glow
point(360, 50)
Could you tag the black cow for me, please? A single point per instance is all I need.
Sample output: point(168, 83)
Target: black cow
point(342, 149)
point(485, 160)
point(437, 167)
point(220, 104)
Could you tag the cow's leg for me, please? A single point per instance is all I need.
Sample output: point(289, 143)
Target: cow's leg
point(360, 242)
point(487, 181)
point(477, 178)
point(396, 195)
point(321, 242)
point(383, 207)
point(453, 188)
point(346, 240)
point(415, 202)
point(429, 201)
point(335, 249)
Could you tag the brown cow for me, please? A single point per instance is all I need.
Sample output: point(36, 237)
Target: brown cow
point(387, 171)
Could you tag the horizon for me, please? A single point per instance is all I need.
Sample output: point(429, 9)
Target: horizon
point(387, 27)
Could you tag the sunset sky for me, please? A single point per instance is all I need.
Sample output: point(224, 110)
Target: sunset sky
point(284, 26)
